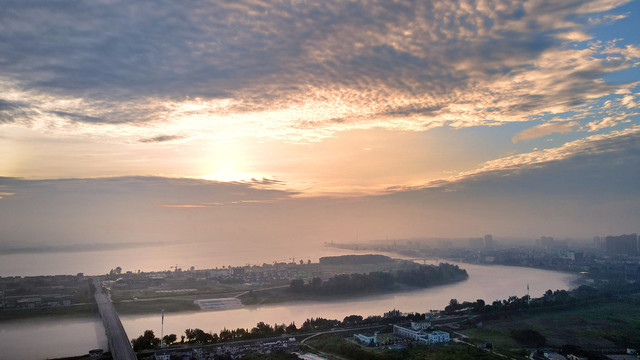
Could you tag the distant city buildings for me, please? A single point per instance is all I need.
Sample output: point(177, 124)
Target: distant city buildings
point(546, 242)
point(598, 244)
point(476, 243)
point(622, 245)
point(488, 241)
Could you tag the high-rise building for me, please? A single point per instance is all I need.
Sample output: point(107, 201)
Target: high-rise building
point(488, 241)
point(547, 242)
point(597, 242)
point(622, 244)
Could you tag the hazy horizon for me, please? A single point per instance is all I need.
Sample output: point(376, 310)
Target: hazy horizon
point(254, 123)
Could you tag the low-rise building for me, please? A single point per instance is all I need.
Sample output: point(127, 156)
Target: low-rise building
point(420, 325)
point(367, 340)
point(436, 337)
point(433, 337)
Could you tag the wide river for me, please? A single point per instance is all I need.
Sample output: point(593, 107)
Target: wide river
point(51, 338)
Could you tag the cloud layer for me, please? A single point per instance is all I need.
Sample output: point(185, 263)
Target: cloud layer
point(300, 70)
point(583, 189)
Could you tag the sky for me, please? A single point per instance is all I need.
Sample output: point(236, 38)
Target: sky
point(316, 121)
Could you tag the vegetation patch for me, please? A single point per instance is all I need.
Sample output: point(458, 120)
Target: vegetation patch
point(529, 337)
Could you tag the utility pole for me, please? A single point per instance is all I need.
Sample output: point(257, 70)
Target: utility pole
point(162, 331)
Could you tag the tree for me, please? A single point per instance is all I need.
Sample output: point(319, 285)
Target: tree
point(352, 320)
point(316, 283)
point(170, 339)
point(225, 334)
point(291, 328)
point(296, 285)
point(191, 334)
point(146, 341)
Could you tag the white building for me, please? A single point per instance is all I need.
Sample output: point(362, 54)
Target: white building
point(433, 337)
point(422, 325)
point(408, 333)
point(438, 336)
point(366, 339)
point(162, 355)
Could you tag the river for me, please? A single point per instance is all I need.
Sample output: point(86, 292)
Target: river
point(62, 337)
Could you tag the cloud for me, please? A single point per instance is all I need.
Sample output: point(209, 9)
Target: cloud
point(183, 206)
point(574, 36)
point(606, 19)
point(544, 130)
point(288, 70)
point(617, 141)
point(161, 138)
point(3, 194)
point(583, 188)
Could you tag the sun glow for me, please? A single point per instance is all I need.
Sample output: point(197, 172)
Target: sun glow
point(228, 169)
point(233, 175)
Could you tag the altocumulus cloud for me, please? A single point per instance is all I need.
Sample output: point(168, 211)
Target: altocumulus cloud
point(544, 130)
point(289, 69)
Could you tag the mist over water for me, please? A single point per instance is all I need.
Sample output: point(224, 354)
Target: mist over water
point(161, 257)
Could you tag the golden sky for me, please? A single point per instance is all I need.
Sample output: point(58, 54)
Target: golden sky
point(321, 100)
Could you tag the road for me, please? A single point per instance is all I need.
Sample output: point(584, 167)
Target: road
point(119, 344)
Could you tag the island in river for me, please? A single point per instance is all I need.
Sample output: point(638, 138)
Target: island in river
point(335, 277)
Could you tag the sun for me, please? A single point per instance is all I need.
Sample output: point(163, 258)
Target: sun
point(228, 171)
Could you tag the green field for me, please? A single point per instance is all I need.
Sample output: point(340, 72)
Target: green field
point(341, 348)
point(609, 324)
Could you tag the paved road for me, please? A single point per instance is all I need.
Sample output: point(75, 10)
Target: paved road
point(119, 344)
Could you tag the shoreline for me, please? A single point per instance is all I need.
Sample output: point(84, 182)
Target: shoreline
point(173, 306)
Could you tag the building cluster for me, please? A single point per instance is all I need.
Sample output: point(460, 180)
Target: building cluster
point(195, 280)
point(622, 245)
point(552, 355)
point(228, 351)
point(42, 291)
point(485, 242)
point(419, 331)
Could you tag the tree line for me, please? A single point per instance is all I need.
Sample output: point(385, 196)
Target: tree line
point(559, 298)
point(262, 330)
point(379, 281)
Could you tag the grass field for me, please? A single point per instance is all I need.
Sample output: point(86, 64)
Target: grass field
point(156, 305)
point(610, 324)
point(345, 349)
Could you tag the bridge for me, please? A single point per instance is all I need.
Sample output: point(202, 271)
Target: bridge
point(119, 344)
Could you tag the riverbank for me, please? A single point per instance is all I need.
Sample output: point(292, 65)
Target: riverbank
point(79, 335)
point(73, 311)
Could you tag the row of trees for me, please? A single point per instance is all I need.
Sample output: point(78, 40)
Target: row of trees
point(148, 340)
point(198, 336)
point(355, 259)
point(418, 276)
point(550, 298)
